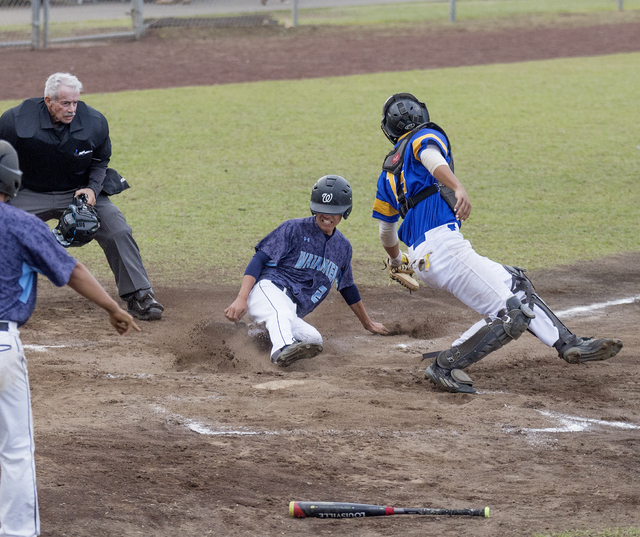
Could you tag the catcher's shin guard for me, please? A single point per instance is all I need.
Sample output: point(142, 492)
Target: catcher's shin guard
point(491, 337)
point(566, 339)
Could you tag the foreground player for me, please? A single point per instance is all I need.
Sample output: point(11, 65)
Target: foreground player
point(443, 259)
point(28, 247)
point(293, 270)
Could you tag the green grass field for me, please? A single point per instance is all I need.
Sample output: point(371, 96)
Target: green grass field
point(548, 151)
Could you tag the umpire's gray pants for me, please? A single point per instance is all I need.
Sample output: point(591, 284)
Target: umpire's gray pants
point(114, 236)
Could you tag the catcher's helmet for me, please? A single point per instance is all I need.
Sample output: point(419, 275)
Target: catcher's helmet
point(401, 113)
point(78, 225)
point(10, 174)
point(331, 195)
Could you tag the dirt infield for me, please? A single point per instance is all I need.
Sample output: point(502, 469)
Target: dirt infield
point(186, 429)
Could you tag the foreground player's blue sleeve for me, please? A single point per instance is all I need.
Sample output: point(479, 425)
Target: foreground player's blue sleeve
point(28, 249)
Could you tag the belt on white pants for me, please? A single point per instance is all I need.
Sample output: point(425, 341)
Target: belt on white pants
point(8, 326)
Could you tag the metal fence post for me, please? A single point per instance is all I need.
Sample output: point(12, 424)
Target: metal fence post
point(452, 10)
point(620, 5)
point(294, 12)
point(137, 17)
point(45, 26)
point(35, 23)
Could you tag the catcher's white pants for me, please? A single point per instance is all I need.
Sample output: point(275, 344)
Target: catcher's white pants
point(452, 264)
point(18, 497)
point(270, 305)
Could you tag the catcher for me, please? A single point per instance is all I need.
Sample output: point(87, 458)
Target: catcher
point(418, 184)
point(293, 270)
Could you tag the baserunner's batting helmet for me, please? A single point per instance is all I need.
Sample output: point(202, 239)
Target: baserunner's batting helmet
point(402, 113)
point(10, 174)
point(331, 195)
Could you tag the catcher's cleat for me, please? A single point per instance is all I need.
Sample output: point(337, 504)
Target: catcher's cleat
point(452, 380)
point(591, 350)
point(296, 351)
point(143, 306)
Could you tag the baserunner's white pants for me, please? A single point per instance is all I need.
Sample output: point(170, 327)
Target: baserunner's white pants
point(270, 305)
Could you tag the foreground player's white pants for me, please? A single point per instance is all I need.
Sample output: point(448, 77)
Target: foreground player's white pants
point(270, 305)
point(18, 497)
point(480, 283)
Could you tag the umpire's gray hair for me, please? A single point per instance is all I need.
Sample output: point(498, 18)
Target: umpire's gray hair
point(61, 79)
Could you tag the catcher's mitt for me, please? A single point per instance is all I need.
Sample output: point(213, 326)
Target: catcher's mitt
point(403, 273)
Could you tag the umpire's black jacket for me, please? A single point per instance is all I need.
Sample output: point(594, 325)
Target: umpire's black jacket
point(58, 159)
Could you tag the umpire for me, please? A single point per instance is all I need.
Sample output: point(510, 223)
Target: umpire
point(64, 148)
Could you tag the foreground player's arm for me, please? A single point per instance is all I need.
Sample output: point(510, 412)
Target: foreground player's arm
point(351, 296)
point(83, 282)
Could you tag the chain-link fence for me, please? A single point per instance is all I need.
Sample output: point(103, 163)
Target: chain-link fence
point(39, 23)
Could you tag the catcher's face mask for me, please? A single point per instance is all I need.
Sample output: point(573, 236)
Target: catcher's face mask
point(78, 225)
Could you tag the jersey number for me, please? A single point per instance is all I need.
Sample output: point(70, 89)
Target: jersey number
point(318, 294)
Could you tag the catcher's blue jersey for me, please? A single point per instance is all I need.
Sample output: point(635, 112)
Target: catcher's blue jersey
point(306, 261)
point(28, 247)
point(429, 213)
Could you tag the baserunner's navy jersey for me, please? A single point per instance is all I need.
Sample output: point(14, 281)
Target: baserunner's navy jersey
point(306, 261)
point(27, 247)
point(429, 213)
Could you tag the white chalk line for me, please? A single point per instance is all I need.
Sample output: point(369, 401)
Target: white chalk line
point(574, 424)
point(43, 348)
point(568, 424)
point(597, 306)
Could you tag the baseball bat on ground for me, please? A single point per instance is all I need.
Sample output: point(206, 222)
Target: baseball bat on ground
point(357, 510)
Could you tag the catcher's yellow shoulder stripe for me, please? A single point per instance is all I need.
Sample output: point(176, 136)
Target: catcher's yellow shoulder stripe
point(415, 145)
point(384, 208)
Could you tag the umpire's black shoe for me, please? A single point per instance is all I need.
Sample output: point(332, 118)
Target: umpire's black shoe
point(452, 380)
point(591, 350)
point(143, 306)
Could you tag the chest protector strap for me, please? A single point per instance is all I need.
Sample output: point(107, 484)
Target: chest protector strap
point(394, 162)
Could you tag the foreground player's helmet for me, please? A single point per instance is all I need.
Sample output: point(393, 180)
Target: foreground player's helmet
point(401, 113)
point(331, 195)
point(10, 174)
point(78, 225)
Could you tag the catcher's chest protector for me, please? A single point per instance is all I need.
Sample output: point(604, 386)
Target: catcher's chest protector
point(394, 161)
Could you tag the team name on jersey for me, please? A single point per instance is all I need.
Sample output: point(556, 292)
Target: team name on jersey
point(316, 262)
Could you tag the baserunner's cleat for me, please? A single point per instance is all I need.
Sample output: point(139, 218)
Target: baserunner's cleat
point(296, 351)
